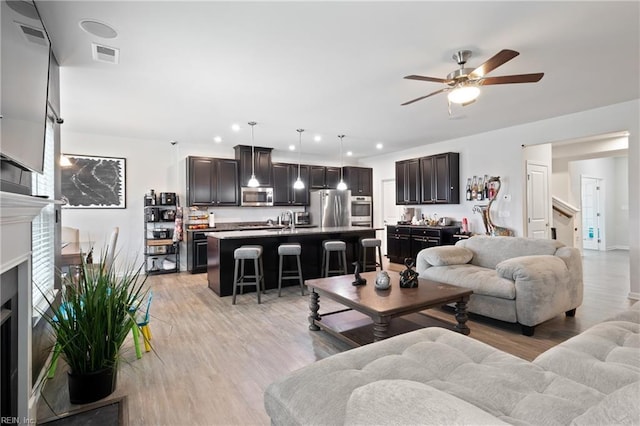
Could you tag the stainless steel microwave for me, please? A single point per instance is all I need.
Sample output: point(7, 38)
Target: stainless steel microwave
point(256, 197)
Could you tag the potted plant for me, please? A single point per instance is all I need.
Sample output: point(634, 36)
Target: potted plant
point(90, 323)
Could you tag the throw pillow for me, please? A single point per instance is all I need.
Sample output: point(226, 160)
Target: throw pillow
point(448, 255)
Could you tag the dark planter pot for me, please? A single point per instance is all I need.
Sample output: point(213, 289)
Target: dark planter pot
point(90, 387)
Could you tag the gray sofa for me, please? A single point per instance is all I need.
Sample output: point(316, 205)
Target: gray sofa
point(437, 376)
point(519, 280)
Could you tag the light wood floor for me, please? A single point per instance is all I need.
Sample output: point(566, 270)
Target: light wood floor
point(213, 361)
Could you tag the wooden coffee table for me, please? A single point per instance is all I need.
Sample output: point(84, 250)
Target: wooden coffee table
point(369, 311)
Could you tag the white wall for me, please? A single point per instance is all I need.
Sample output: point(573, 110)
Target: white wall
point(499, 153)
point(479, 155)
point(620, 218)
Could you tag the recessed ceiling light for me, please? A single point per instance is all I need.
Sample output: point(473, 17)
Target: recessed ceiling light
point(217, 139)
point(98, 28)
point(349, 153)
point(379, 145)
point(317, 138)
point(292, 147)
point(235, 127)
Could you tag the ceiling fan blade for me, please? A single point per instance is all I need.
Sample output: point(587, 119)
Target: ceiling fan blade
point(426, 96)
point(509, 79)
point(494, 62)
point(422, 78)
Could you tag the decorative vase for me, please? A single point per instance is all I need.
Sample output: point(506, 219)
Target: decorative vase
point(90, 387)
point(383, 282)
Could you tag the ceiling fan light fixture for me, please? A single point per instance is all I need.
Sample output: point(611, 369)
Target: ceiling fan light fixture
point(463, 94)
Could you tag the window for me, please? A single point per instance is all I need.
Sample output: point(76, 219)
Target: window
point(43, 229)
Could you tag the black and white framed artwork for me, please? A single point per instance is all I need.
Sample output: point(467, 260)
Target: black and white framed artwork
point(90, 182)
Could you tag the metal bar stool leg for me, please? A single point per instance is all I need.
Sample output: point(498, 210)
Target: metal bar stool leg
point(235, 281)
point(300, 275)
point(257, 277)
point(280, 276)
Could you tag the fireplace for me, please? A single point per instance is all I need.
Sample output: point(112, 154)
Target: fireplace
point(16, 396)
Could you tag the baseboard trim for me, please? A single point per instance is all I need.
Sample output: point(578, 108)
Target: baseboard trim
point(618, 248)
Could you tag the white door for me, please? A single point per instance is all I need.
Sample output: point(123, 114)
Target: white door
point(389, 208)
point(537, 200)
point(591, 217)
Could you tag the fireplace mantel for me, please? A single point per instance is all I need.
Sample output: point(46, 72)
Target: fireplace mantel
point(16, 214)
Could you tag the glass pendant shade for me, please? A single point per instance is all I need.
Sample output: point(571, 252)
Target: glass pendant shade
point(253, 182)
point(341, 185)
point(298, 184)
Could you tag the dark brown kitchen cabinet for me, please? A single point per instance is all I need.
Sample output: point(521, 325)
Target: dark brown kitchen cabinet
point(321, 177)
point(359, 180)
point(212, 182)
point(398, 243)
point(196, 252)
point(262, 166)
point(407, 240)
point(408, 182)
point(440, 179)
point(284, 176)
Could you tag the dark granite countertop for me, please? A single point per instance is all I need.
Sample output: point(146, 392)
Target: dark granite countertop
point(261, 233)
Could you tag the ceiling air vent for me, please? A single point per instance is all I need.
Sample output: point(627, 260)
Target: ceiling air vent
point(32, 34)
point(103, 53)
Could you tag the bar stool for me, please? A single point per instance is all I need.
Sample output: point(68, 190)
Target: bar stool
point(368, 243)
point(241, 254)
point(340, 248)
point(289, 249)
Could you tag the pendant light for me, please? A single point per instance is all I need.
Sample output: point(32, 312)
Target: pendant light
point(253, 182)
point(341, 185)
point(298, 183)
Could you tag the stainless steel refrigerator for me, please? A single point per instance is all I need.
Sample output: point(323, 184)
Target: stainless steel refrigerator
point(330, 207)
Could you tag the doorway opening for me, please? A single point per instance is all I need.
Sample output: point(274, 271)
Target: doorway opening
point(592, 212)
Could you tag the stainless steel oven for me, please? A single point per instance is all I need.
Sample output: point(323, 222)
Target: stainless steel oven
point(256, 197)
point(361, 210)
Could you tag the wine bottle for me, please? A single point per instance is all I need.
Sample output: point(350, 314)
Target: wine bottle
point(474, 188)
point(480, 193)
point(469, 189)
point(486, 187)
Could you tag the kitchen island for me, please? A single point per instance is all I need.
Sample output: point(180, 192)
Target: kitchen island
point(220, 247)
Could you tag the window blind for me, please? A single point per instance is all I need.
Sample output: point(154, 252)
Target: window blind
point(43, 229)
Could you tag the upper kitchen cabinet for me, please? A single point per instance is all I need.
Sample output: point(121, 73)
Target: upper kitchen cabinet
point(262, 166)
point(321, 177)
point(212, 182)
point(440, 179)
point(284, 176)
point(359, 180)
point(408, 182)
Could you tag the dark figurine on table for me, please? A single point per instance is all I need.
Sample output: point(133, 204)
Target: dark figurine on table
point(359, 280)
point(408, 277)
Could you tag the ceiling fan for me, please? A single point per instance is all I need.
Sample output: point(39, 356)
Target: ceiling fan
point(463, 84)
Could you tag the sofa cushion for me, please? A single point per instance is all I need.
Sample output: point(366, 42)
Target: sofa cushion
point(507, 387)
point(605, 357)
point(405, 402)
point(447, 255)
point(481, 280)
point(619, 408)
point(489, 251)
